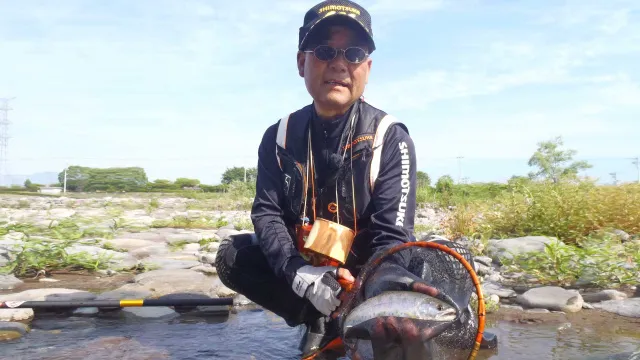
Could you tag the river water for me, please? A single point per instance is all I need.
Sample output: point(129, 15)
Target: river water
point(258, 334)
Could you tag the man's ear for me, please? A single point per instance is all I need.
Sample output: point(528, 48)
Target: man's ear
point(301, 60)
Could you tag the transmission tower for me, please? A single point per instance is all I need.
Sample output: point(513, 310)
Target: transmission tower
point(4, 139)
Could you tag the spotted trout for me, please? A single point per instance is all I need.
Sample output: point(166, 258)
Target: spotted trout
point(397, 306)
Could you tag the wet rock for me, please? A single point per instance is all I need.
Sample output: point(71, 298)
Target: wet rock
point(551, 298)
point(154, 312)
point(588, 306)
point(511, 307)
point(489, 289)
point(8, 282)
point(12, 330)
point(604, 295)
point(86, 311)
point(66, 324)
point(506, 248)
point(627, 307)
point(127, 291)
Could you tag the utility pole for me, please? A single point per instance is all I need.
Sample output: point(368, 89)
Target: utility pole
point(245, 174)
point(636, 162)
point(4, 138)
point(65, 179)
point(459, 168)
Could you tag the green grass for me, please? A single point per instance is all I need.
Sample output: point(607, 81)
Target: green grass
point(570, 212)
point(602, 262)
point(580, 214)
point(34, 255)
point(183, 222)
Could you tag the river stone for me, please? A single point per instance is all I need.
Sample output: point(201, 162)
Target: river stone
point(16, 314)
point(48, 294)
point(141, 253)
point(604, 295)
point(483, 269)
point(627, 307)
point(207, 269)
point(60, 213)
point(13, 326)
point(118, 259)
point(150, 312)
point(163, 282)
point(144, 235)
point(489, 289)
point(129, 244)
point(225, 233)
point(506, 248)
point(551, 298)
point(183, 237)
point(161, 263)
point(107, 348)
point(126, 291)
point(485, 260)
point(9, 282)
point(211, 247)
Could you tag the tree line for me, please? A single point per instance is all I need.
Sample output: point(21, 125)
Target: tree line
point(551, 163)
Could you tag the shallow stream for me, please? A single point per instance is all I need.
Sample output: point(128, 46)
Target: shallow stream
point(257, 334)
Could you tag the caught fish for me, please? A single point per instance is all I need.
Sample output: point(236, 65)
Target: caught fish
point(401, 305)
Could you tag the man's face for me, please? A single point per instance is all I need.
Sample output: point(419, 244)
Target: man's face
point(335, 85)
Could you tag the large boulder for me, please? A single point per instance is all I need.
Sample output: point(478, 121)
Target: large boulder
point(627, 307)
point(551, 298)
point(507, 248)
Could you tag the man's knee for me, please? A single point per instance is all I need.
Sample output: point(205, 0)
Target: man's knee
point(227, 254)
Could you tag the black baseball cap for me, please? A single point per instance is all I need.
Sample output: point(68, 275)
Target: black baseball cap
point(336, 10)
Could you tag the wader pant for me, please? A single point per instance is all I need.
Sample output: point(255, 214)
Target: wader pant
point(242, 267)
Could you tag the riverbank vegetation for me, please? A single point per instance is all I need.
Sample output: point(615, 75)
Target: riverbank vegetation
point(598, 225)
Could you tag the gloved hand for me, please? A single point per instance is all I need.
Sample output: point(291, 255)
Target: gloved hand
point(319, 285)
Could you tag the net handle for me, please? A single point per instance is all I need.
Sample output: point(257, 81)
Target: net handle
point(428, 244)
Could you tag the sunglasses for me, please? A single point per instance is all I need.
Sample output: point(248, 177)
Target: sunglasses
point(354, 55)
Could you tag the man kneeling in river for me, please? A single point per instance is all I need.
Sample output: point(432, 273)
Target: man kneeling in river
point(340, 165)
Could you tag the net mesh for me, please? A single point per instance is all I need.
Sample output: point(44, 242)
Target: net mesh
point(414, 339)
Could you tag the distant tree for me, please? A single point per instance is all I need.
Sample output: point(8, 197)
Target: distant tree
point(423, 179)
point(185, 182)
point(444, 184)
point(553, 163)
point(80, 178)
point(27, 183)
point(237, 174)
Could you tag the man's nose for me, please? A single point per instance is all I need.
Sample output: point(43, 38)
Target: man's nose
point(339, 63)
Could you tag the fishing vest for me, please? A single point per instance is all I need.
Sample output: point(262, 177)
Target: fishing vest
point(337, 199)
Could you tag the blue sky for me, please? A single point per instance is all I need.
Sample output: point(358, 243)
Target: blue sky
point(187, 88)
